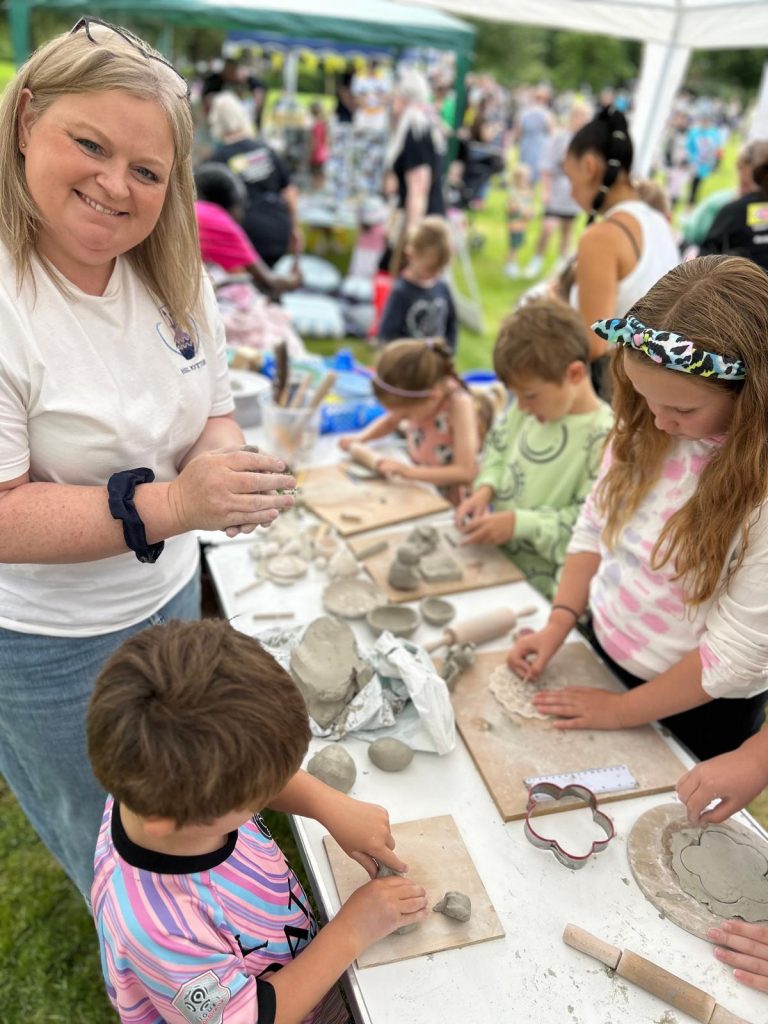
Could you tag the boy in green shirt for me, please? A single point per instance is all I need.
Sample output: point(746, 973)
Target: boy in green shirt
point(541, 460)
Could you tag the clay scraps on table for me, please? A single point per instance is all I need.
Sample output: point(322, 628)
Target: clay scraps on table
point(458, 658)
point(725, 872)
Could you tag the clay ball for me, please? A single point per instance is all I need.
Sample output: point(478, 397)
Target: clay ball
point(333, 766)
point(408, 554)
point(455, 905)
point(390, 755)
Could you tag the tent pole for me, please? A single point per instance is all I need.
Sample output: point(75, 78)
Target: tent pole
point(19, 18)
point(463, 62)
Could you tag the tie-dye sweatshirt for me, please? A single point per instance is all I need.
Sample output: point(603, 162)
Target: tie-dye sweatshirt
point(191, 940)
point(640, 614)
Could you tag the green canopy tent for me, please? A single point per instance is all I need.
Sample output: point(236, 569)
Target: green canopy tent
point(365, 21)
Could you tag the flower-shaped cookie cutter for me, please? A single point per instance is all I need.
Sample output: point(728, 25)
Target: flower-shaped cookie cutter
point(570, 860)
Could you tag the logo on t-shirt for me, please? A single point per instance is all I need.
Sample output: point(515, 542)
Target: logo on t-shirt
point(180, 342)
point(202, 1000)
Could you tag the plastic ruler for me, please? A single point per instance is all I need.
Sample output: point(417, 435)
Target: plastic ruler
point(616, 778)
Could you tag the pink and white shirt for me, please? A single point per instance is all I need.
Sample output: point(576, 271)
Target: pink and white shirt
point(640, 614)
point(194, 940)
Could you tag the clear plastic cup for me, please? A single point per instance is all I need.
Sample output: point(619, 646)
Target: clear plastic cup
point(291, 433)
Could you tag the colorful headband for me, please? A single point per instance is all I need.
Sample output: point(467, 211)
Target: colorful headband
point(399, 392)
point(670, 350)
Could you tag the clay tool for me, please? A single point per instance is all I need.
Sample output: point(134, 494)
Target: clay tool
point(654, 979)
point(249, 587)
point(323, 388)
point(280, 376)
point(273, 615)
point(297, 398)
point(480, 629)
point(372, 549)
point(365, 456)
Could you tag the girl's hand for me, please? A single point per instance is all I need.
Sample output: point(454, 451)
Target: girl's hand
point(734, 778)
point(345, 442)
point(393, 467)
point(492, 528)
point(532, 651)
point(744, 947)
point(362, 831)
point(581, 707)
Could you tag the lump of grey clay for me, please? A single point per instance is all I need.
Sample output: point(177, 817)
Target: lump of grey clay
point(390, 755)
point(440, 568)
point(326, 665)
point(333, 766)
point(455, 905)
point(424, 539)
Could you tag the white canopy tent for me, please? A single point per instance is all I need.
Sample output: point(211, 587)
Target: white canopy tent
point(670, 30)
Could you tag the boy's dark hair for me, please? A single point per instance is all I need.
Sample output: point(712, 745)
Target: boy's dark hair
point(540, 340)
point(215, 183)
point(192, 720)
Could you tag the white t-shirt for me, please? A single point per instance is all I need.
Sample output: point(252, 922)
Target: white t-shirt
point(91, 385)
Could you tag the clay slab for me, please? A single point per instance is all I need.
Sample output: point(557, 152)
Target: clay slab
point(439, 860)
point(515, 695)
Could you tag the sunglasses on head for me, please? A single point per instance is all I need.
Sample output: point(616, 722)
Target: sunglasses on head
point(97, 31)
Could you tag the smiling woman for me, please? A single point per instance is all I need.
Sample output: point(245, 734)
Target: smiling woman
point(116, 434)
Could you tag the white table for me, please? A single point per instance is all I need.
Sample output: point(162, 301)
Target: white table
point(530, 975)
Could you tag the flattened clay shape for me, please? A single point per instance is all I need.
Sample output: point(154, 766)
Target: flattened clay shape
point(397, 618)
point(351, 597)
point(440, 568)
point(436, 611)
point(333, 766)
point(515, 695)
point(264, 549)
point(326, 665)
point(389, 754)
point(456, 905)
point(725, 873)
point(286, 569)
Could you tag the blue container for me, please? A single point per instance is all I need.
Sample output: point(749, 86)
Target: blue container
point(346, 417)
point(478, 377)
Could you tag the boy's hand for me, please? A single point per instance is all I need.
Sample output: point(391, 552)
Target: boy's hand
point(362, 831)
point(473, 506)
point(493, 528)
point(744, 947)
point(393, 467)
point(378, 908)
point(734, 778)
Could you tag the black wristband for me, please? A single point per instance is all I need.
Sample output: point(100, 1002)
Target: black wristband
point(566, 608)
point(121, 488)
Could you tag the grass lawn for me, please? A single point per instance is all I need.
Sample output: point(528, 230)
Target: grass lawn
point(48, 948)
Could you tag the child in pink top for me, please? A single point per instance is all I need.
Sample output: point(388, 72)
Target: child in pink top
point(417, 383)
point(670, 550)
point(193, 727)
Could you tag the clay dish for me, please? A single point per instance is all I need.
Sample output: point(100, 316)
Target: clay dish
point(351, 597)
point(285, 569)
point(398, 619)
point(436, 611)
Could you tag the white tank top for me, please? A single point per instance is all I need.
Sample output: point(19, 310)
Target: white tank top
point(658, 255)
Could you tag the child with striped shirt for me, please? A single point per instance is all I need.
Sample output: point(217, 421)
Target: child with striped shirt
point(192, 728)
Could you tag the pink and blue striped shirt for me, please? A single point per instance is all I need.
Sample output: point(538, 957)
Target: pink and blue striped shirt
point(193, 940)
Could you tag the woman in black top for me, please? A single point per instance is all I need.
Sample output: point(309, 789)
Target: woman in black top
point(741, 227)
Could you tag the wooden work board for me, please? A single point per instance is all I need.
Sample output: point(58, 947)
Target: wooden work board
point(484, 565)
point(437, 859)
point(508, 749)
point(354, 506)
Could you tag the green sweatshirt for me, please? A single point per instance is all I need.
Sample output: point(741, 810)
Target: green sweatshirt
point(542, 472)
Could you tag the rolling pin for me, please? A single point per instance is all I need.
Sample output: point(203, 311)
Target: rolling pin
point(484, 627)
point(654, 979)
point(364, 455)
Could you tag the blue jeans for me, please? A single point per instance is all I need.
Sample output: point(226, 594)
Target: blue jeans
point(45, 686)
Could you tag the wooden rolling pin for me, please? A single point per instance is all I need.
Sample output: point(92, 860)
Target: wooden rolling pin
point(364, 455)
point(654, 979)
point(484, 627)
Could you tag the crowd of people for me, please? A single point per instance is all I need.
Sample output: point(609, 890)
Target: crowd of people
point(635, 394)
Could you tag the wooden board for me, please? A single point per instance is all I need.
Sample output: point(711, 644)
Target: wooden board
point(438, 860)
point(484, 566)
point(354, 506)
point(507, 750)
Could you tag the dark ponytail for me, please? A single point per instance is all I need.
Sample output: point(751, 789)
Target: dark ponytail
point(607, 134)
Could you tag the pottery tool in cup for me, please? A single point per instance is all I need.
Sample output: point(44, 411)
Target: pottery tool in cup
point(323, 388)
point(280, 376)
point(654, 979)
point(479, 630)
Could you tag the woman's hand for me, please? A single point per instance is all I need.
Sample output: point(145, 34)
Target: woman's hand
point(581, 707)
point(223, 489)
point(532, 651)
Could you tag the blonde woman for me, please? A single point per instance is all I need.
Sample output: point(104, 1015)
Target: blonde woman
point(116, 439)
point(670, 548)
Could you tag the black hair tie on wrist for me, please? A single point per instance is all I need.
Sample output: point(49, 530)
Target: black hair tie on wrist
point(121, 488)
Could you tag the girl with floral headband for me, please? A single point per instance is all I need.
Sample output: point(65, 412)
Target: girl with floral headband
point(668, 556)
point(417, 384)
